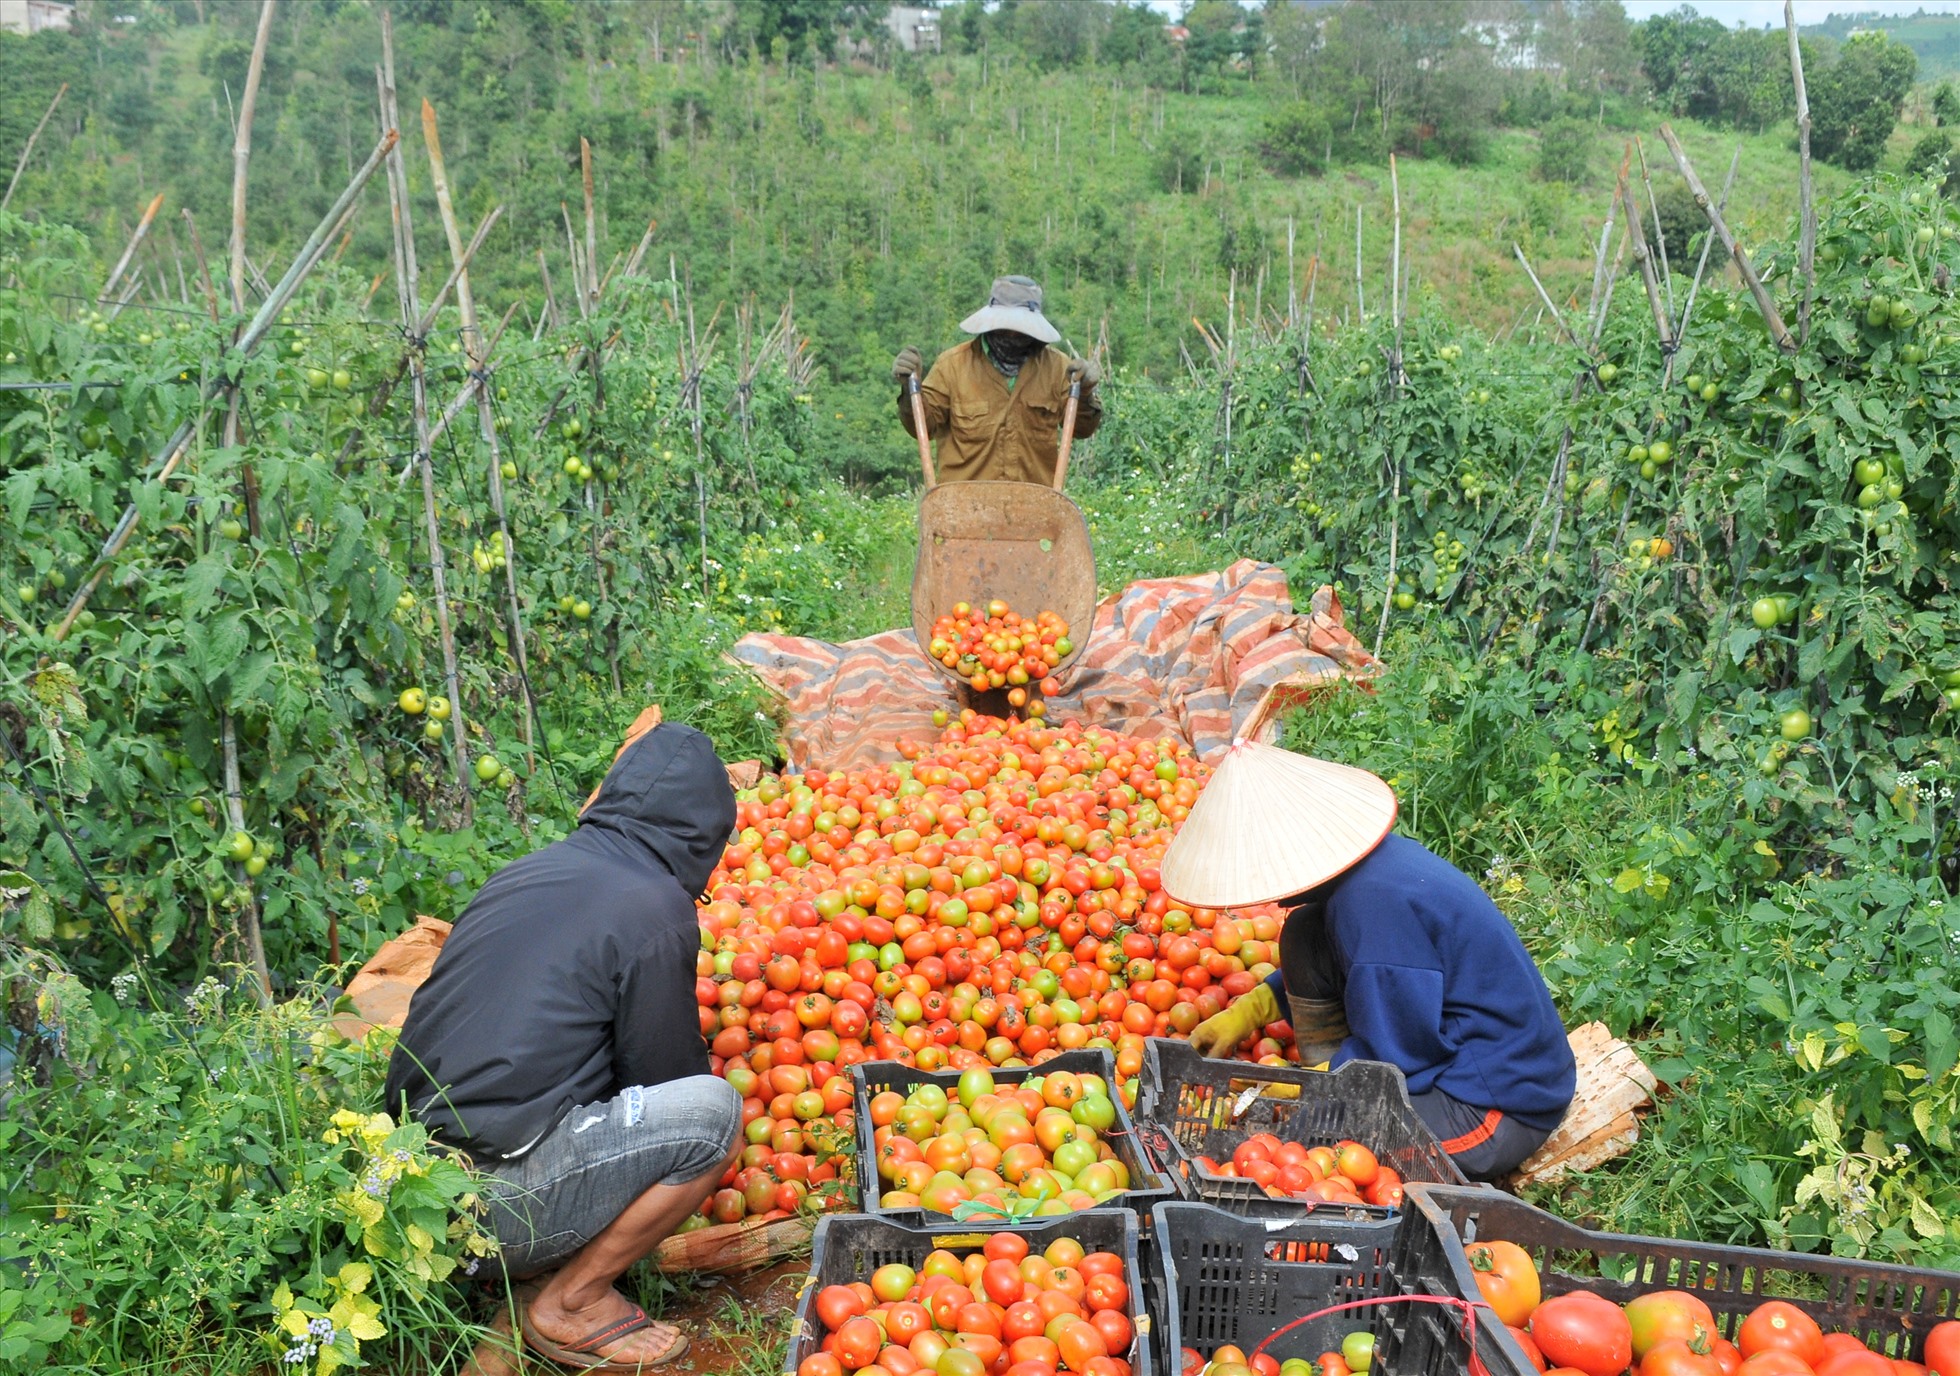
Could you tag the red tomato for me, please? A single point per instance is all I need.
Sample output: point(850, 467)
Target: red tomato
point(1002, 1281)
point(858, 1342)
point(1856, 1362)
point(1524, 1341)
point(837, 1304)
point(1774, 1361)
point(1508, 1278)
point(1663, 1315)
point(1673, 1357)
point(820, 1364)
point(1781, 1326)
point(1584, 1331)
point(1943, 1348)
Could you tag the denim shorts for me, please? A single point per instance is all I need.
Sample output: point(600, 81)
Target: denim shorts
point(583, 1174)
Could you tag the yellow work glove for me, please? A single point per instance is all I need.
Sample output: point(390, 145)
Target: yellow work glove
point(1224, 1033)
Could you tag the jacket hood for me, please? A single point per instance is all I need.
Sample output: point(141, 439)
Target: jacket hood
point(669, 791)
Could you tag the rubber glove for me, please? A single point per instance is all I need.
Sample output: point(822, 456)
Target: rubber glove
point(909, 363)
point(1086, 371)
point(1225, 1032)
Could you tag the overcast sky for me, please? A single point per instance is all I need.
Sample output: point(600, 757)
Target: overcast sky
point(1752, 12)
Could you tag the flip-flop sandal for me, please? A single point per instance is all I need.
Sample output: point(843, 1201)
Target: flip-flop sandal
point(584, 1354)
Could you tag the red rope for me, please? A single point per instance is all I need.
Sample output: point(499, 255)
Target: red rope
point(1477, 1367)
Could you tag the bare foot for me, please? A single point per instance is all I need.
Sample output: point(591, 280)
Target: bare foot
point(566, 1325)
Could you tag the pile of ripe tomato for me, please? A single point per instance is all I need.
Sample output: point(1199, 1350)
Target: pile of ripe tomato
point(1674, 1333)
point(990, 899)
point(1001, 1307)
point(993, 646)
point(1345, 1173)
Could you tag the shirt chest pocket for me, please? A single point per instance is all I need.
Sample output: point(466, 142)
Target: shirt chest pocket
point(974, 422)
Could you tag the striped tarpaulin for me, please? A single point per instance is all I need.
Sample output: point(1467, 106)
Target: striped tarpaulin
point(1206, 658)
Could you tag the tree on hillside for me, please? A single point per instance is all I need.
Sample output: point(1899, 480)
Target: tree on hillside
point(1725, 76)
point(1854, 101)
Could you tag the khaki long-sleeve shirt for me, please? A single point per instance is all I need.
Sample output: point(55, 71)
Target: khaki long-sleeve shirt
point(983, 429)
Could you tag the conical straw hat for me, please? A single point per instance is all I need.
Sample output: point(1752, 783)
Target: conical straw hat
point(1270, 824)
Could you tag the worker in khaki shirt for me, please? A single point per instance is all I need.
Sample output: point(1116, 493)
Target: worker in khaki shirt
point(995, 403)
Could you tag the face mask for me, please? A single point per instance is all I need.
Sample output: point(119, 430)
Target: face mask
point(1010, 349)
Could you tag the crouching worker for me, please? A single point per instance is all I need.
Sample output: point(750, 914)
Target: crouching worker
point(557, 1046)
point(1387, 953)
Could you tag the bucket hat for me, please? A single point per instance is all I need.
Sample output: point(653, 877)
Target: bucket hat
point(1271, 824)
point(1013, 304)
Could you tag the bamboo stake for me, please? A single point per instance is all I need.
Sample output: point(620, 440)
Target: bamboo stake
point(474, 385)
point(235, 813)
point(171, 452)
point(550, 297)
point(241, 154)
point(1807, 234)
point(1777, 329)
point(136, 238)
point(20, 167)
point(1360, 307)
point(1642, 258)
point(1558, 317)
point(478, 358)
point(1660, 239)
point(1395, 386)
point(203, 268)
point(591, 224)
point(405, 289)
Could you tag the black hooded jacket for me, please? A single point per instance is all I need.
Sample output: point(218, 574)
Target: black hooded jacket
point(570, 975)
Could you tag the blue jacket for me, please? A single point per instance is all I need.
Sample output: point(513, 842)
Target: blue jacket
point(1438, 985)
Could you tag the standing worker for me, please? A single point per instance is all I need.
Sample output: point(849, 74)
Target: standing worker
point(1388, 952)
point(995, 403)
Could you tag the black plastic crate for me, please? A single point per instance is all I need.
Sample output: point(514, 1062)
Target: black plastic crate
point(1232, 1279)
point(1889, 1308)
point(1190, 1106)
point(870, 1078)
point(849, 1247)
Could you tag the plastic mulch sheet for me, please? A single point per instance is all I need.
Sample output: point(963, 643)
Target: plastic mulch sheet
point(1207, 658)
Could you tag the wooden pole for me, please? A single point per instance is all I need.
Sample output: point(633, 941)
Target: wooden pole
point(1642, 258)
point(171, 452)
point(203, 268)
point(241, 154)
point(1558, 317)
point(1395, 386)
point(1068, 430)
point(478, 359)
point(142, 232)
point(1807, 234)
point(591, 283)
point(27, 152)
point(406, 291)
point(1778, 331)
point(919, 430)
point(1660, 239)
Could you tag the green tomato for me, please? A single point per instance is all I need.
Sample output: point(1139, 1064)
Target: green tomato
point(565, 603)
point(1694, 382)
point(1660, 451)
point(1639, 454)
point(26, 592)
point(1765, 612)
point(1794, 724)
point(413, 701)
point(231, 528)
point(255, 866)
point(439, 708)
point(1878, 312)
point(1865, 472)
point(342, 380)
point(1952, 696)
point(508, 469)
point(572, 466)
point(505, 779)
point(488, 767)
point(432, 730)
point(317, 378)
point(240, 847)
point(57, 579)
point(1405, 601)
point(582, 609)
point(1710, 392)
point(1870, 495)
point(1358, 1350)
point(1606, 373)
point(1649, 470)
point(1787, 394)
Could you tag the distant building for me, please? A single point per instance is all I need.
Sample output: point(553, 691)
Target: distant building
point(914, 28)
point(1176, 33)
point(32, 16)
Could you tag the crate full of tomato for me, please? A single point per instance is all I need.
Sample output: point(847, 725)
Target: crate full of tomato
point(1004, 1145)
point(1063, 1296)
point(1278, 1140)
point(1599, 1304)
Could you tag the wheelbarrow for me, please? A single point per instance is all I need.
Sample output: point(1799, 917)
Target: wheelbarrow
point(1023, 543)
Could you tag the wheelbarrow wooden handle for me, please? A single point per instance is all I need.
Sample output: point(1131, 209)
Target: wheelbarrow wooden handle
point(1068, 431)
point(919, 428)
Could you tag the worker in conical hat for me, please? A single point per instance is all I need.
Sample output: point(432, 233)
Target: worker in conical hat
point(994, 404)
point(1388, 952)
